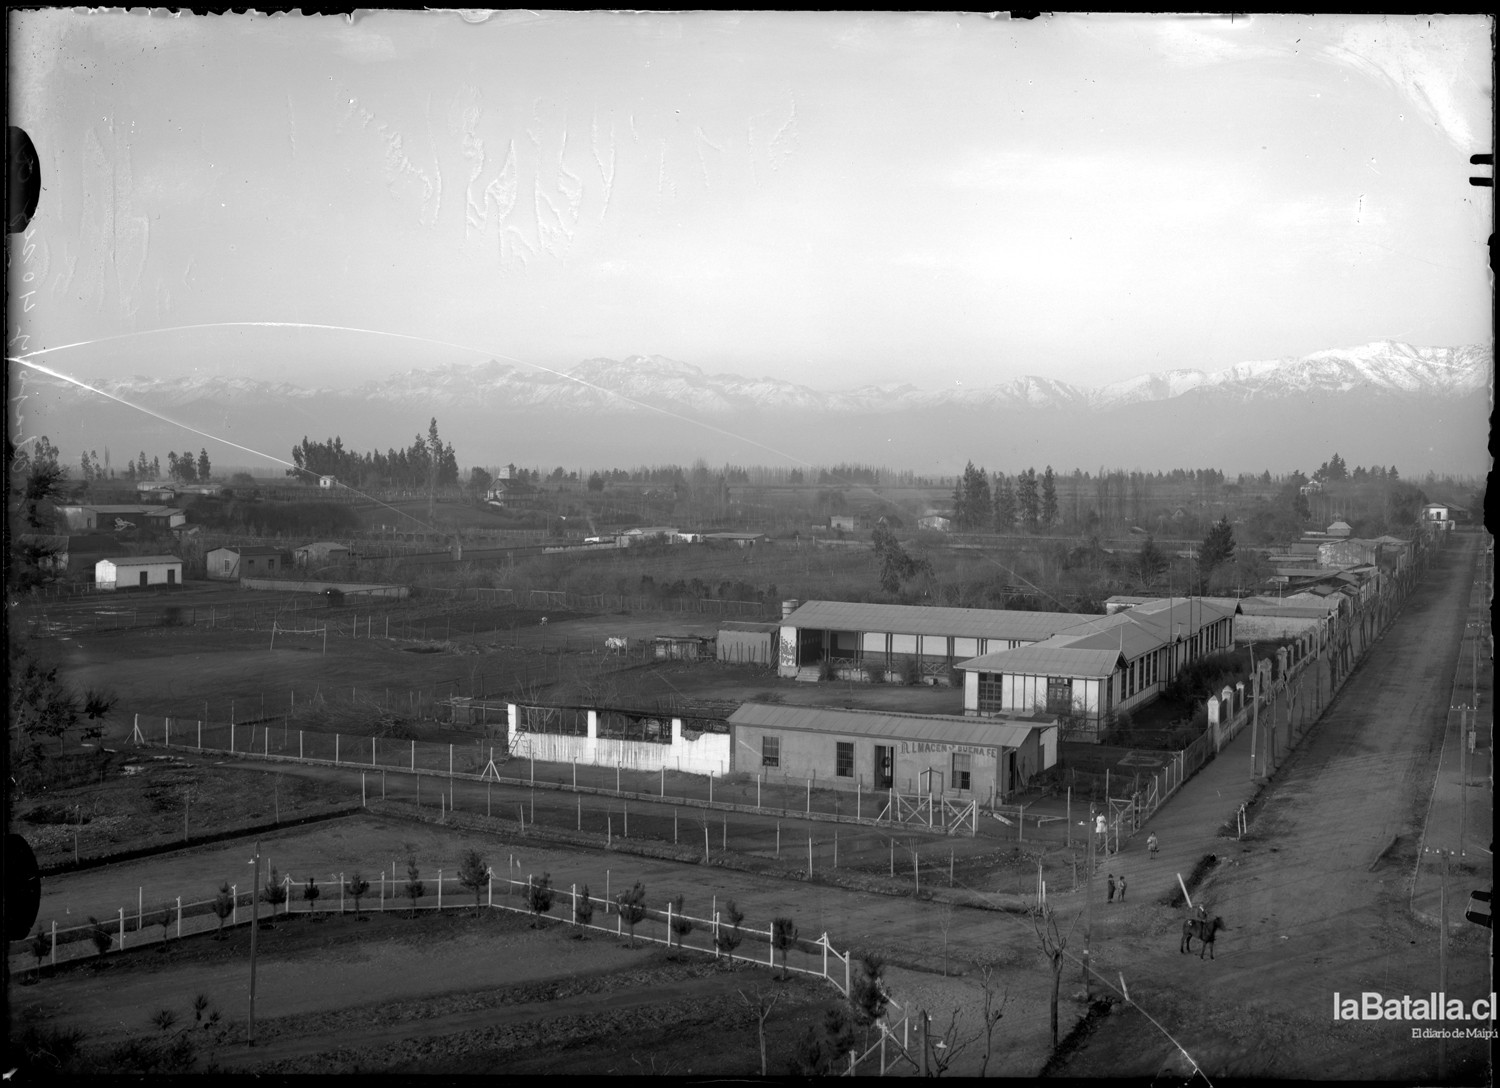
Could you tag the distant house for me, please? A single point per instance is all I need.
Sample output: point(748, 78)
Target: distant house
point(118, 517)
point(1312, 487)
point(320, 554)
point(1443, 515)
point(1340, 528)
point(646, 533)
point(510, 492)
point(258, 561)
point(845, 522)
point(738, 540)
point(935, 522)
point(327, 482)
point(138, 570)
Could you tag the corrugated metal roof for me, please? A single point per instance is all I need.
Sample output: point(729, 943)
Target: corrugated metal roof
point(919, 620)
point(251, 549)
point(768, 627)
point(139, 560)
point(1126, 637)
point(1047, 660)
point(992, 732)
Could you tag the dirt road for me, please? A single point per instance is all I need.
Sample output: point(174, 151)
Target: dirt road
point(1316, 897)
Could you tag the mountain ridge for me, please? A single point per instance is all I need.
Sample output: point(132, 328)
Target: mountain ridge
point(644, 382)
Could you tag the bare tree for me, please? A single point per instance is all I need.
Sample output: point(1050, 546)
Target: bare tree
point(1054, 943)
point(995, 1001)
point(948, 1046)
point(310, 893)
point(760, 1007)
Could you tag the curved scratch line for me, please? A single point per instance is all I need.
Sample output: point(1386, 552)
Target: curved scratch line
point(217, 438)
point(25, 360)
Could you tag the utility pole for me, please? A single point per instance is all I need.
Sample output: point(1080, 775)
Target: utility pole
point(1088, 905)
point(254, 929)
point(1443, 964)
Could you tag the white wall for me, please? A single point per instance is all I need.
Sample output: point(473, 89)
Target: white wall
point(709, 754)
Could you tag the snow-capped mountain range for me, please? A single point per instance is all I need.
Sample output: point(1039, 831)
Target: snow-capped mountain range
point(1381, 403)
point(640, 383)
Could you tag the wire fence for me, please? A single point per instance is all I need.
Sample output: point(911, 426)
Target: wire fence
point(159, 919)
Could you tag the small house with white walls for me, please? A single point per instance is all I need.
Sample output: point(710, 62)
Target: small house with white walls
point(138, 571)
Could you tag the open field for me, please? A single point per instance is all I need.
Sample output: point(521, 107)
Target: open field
point(448, 994)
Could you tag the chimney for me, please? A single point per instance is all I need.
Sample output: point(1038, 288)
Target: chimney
point(789, 606)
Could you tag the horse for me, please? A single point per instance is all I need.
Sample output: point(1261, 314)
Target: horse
point(1204, 931)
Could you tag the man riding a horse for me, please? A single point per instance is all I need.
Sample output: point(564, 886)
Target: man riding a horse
point(1200, 927)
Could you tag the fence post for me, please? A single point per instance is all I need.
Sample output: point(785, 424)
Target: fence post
point(490, 893)
point(54, 932)
point(413, 755)
point(234, 910)
point(440, 891)
point(335, 749)
point(299, 744)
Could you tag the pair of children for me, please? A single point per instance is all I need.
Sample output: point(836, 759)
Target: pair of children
point(1116, 883)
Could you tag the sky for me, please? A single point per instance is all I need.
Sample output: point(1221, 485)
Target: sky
point(837, 199)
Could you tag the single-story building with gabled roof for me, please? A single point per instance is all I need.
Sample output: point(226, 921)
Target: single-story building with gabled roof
point(986, 760)
point(857, 634)
point(232, 564)
point(320, 553)
point(119, 516)
point(1101, 665)
point(138, 570)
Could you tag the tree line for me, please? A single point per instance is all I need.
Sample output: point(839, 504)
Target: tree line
point(427, 462)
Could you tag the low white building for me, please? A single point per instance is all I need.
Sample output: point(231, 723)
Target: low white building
point(138, 570)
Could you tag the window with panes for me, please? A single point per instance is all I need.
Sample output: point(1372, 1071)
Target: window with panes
point(770, 751)
point(963, 766)
point(991, 697)
point(843, 759)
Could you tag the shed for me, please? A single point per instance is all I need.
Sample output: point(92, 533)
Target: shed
point(320, 554)
point(138, 570)
point(745, 643)
point(984, 759)
point(232, 564)
point(682, 647)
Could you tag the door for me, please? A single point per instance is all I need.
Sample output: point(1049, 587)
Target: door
point(1009, 785)
point(885, 766)
point(171, 576)
point(143, 577)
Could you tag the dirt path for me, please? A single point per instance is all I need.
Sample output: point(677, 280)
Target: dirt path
point(1316, 901)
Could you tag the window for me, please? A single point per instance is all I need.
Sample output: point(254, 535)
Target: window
point(843, 759)
point(1059, 694)
point(226, 566)
point(991, 696)
point(770, 751)
point(962, 768)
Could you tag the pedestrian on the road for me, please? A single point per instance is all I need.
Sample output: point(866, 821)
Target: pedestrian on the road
point(1151, 842)
point(1111, 888)
point(1122, 887)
